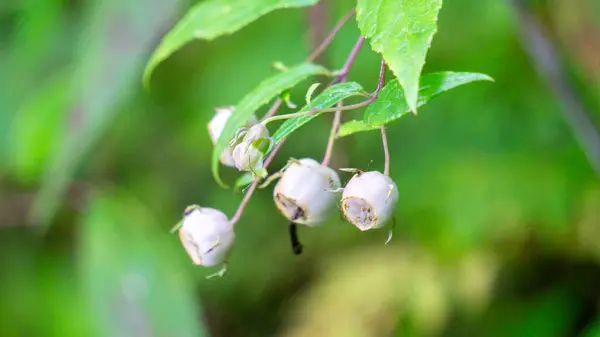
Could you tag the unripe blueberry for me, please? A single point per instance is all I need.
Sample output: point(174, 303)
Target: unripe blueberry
point(369, 200)
point(304, 194)
point(207, 235)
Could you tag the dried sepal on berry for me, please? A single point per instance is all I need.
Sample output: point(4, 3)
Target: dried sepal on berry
point(207, 235)
point(303, 193)
point(369, 200)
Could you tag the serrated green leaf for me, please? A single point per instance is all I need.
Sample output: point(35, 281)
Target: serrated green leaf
point(354, 126)
point(401, 30)
point(264, 92)
point(326, 99)
point(211, 19)
point(391, 105)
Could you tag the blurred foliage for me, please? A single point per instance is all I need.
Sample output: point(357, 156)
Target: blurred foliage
point(499, 215)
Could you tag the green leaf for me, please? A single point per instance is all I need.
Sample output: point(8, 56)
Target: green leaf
point(326, 99)
point(264, 92)
point(391, 105)
point(243, 181)
point(248, 177)
point(354, 126)
point(401, 30)
point(211, 19)
point(310, 92)
point(131, 269)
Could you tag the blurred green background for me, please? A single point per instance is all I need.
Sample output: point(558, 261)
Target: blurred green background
point(499, 215)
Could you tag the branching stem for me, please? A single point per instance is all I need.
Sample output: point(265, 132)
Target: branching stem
point(318, 111)
point(314, 55)
point(238, 214)
point(337, 118)
point(277, 104)
point(386, 151)
point(321, 48)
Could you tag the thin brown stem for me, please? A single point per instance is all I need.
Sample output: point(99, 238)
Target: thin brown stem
point(238, 214)
point(321, 48)
point(277, 104)
point(314, 55)
point(273, 110)
point(337, 118)
point(318, 111)
point(381, 80)
point(343, 73)
point(386, 151)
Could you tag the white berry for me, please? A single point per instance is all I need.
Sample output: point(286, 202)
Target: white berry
point(304, 194)
point(207, 235)
point(369, 200)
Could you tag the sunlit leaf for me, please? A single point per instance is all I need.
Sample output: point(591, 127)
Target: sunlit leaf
point(354, 126)
point(243, 181)
point(248, 177)
point(401, 30)
point(262, 94)
point(310, 92)
point(213, 18)
point(391, 105)
point(131, 272)
point(326, 99)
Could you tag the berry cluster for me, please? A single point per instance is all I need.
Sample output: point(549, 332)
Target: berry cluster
point(307, 193)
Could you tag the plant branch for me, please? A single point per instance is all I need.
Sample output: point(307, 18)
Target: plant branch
point(238, 214)
point(343, 73)
point(273, 110)
point(386, 151)
point(547, 60)
point(318, 111)
point(337, 118)
point(277, 104)
point(381, 80)
point(321, 48)
point(314, 55)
